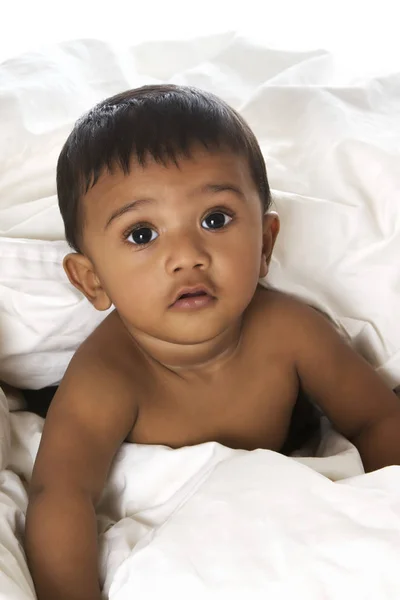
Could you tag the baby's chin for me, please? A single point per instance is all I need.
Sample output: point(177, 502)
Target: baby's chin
point(195, 336)
point(191, 336)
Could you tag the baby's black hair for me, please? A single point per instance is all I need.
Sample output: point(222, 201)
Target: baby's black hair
point(158, 121)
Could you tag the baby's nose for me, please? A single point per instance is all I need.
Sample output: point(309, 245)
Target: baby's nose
point(187, 253)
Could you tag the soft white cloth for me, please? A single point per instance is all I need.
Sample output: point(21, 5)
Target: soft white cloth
point(42, 317)
point(15, 579)
point(332, 146)
point(261, 525)
point(207, 521)
point(210, 522)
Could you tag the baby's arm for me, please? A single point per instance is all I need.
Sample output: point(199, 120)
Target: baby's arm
point(347, 389)
point(89, 418)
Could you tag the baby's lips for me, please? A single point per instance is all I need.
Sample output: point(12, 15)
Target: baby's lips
point(191, 291)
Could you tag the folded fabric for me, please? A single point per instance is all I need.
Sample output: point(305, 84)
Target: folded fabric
point(43, 318)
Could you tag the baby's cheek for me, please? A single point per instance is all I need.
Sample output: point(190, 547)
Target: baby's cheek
point(135, 291)
point(246, 257)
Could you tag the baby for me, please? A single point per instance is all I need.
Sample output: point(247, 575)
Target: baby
point(165, 199)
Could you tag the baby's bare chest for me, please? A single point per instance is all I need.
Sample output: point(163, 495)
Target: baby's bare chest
point(241, 410)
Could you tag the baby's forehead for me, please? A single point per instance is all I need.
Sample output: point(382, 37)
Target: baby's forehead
point(200, 166)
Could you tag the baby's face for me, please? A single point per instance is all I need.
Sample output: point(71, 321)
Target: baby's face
point(160, 229)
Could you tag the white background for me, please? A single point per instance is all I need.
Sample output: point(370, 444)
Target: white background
point(364, 31)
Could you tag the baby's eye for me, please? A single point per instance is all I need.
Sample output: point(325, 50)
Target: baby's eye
point(216, 220)
point(142, 235)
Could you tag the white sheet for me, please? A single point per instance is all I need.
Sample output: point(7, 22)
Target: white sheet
point(42, 317)
point(210, 522)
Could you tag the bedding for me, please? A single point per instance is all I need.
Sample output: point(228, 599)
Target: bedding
point(210, 522)
point(207, 521)
point(42, 317)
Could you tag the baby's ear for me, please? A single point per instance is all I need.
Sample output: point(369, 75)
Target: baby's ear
point(270, 233)
point(81, 273)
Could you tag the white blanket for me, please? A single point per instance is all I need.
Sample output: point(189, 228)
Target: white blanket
point(210, 522)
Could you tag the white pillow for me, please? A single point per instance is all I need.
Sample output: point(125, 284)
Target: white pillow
point(43, 318)
point(332, 140)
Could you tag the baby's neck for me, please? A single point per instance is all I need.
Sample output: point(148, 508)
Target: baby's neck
point(198, 359)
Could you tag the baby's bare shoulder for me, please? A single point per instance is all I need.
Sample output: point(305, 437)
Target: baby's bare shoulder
point(284, 319)
point(111, 347)
point(93, 412)
point(104, 367)
point(274, 307)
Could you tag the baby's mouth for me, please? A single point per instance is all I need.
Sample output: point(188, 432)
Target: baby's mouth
point(192, 298)
point(192, 295)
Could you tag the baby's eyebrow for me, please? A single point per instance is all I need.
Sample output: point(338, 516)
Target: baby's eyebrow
point(134, 205)
point(222, 187)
